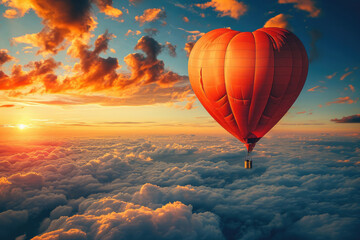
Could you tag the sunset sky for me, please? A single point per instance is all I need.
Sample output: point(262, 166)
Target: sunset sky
point(102, 137)
point(104, 68)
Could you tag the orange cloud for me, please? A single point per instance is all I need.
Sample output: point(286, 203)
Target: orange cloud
point(4, 56)
point(301, 112)
point(7, 105)
point(106, 7)
point(185, 19)
point(137, 32)
point(316, 88)
point(331, 76)
point(280, 21)
point(41, 71)
point(150, 15)
point(342, 100)
point(188, 47)
point(305, 5)
point(231, 8)
point(63, 20)
point(352, 88)
point(11, 13)
point(345, 75)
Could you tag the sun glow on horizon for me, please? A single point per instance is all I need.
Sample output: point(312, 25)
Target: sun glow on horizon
point(22, 126)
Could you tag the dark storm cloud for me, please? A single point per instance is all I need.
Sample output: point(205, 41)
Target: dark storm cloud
point(181, 187)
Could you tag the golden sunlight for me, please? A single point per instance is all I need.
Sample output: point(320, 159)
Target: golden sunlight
point(22, 126)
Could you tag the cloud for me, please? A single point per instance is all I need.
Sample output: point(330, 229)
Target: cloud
point(185, 19)
point(342, 100)
point(4, 56)
point(106, 7)
point(349, 119)
point(42, 70)
point(137, 32)
point(280, 21)
point(194, 35)
point(62, 20)
point(315, 35)
point(231, 8)
point(316, 88)
point(173, 220)
point(352, 88)
point(94, 73)
point(331, 76)
point(180, 187)
point(188, 47)
point(171, 48)
point(151, 31)
point(151, 15)
point(345, 75)
point(7, 106)
point(305, 5)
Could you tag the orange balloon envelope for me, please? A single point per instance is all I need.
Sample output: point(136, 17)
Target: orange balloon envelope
point(248, 81)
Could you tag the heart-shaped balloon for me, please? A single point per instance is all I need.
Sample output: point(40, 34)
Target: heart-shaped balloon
point(248, 81)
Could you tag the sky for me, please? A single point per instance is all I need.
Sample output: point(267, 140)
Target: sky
point(102, 137)
point(109, 67)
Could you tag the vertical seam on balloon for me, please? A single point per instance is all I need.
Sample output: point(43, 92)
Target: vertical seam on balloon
point(201, 67)
point(273, 41)
point(282, 97)
point(232, 112)
point(287, 87)
point(252, 93)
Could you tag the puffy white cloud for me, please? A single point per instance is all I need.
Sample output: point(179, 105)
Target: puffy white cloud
point(181, 187)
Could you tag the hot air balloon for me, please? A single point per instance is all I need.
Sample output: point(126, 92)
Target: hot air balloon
point(247, 81)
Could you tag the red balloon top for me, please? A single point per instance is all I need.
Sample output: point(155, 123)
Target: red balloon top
point(248, 81)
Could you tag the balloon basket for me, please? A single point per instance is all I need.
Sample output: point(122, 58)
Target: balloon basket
point(248, 164)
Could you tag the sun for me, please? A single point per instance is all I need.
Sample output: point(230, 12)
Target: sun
point(22, 126)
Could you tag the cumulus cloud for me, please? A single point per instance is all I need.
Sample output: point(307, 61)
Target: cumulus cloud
point(4, 56)
point(185, 19)
point(349, 119)
point(180, 187)
point(280, 21)
point(305, 5)
point(94, 73)
point(151, 15)
point(188, 47)
point(231, 8)
point(62, 20)
point(106, 7)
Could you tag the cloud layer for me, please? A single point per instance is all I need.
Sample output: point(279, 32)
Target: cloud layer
point(180, 187)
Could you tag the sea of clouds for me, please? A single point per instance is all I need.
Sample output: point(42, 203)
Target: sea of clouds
point(180, 187)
